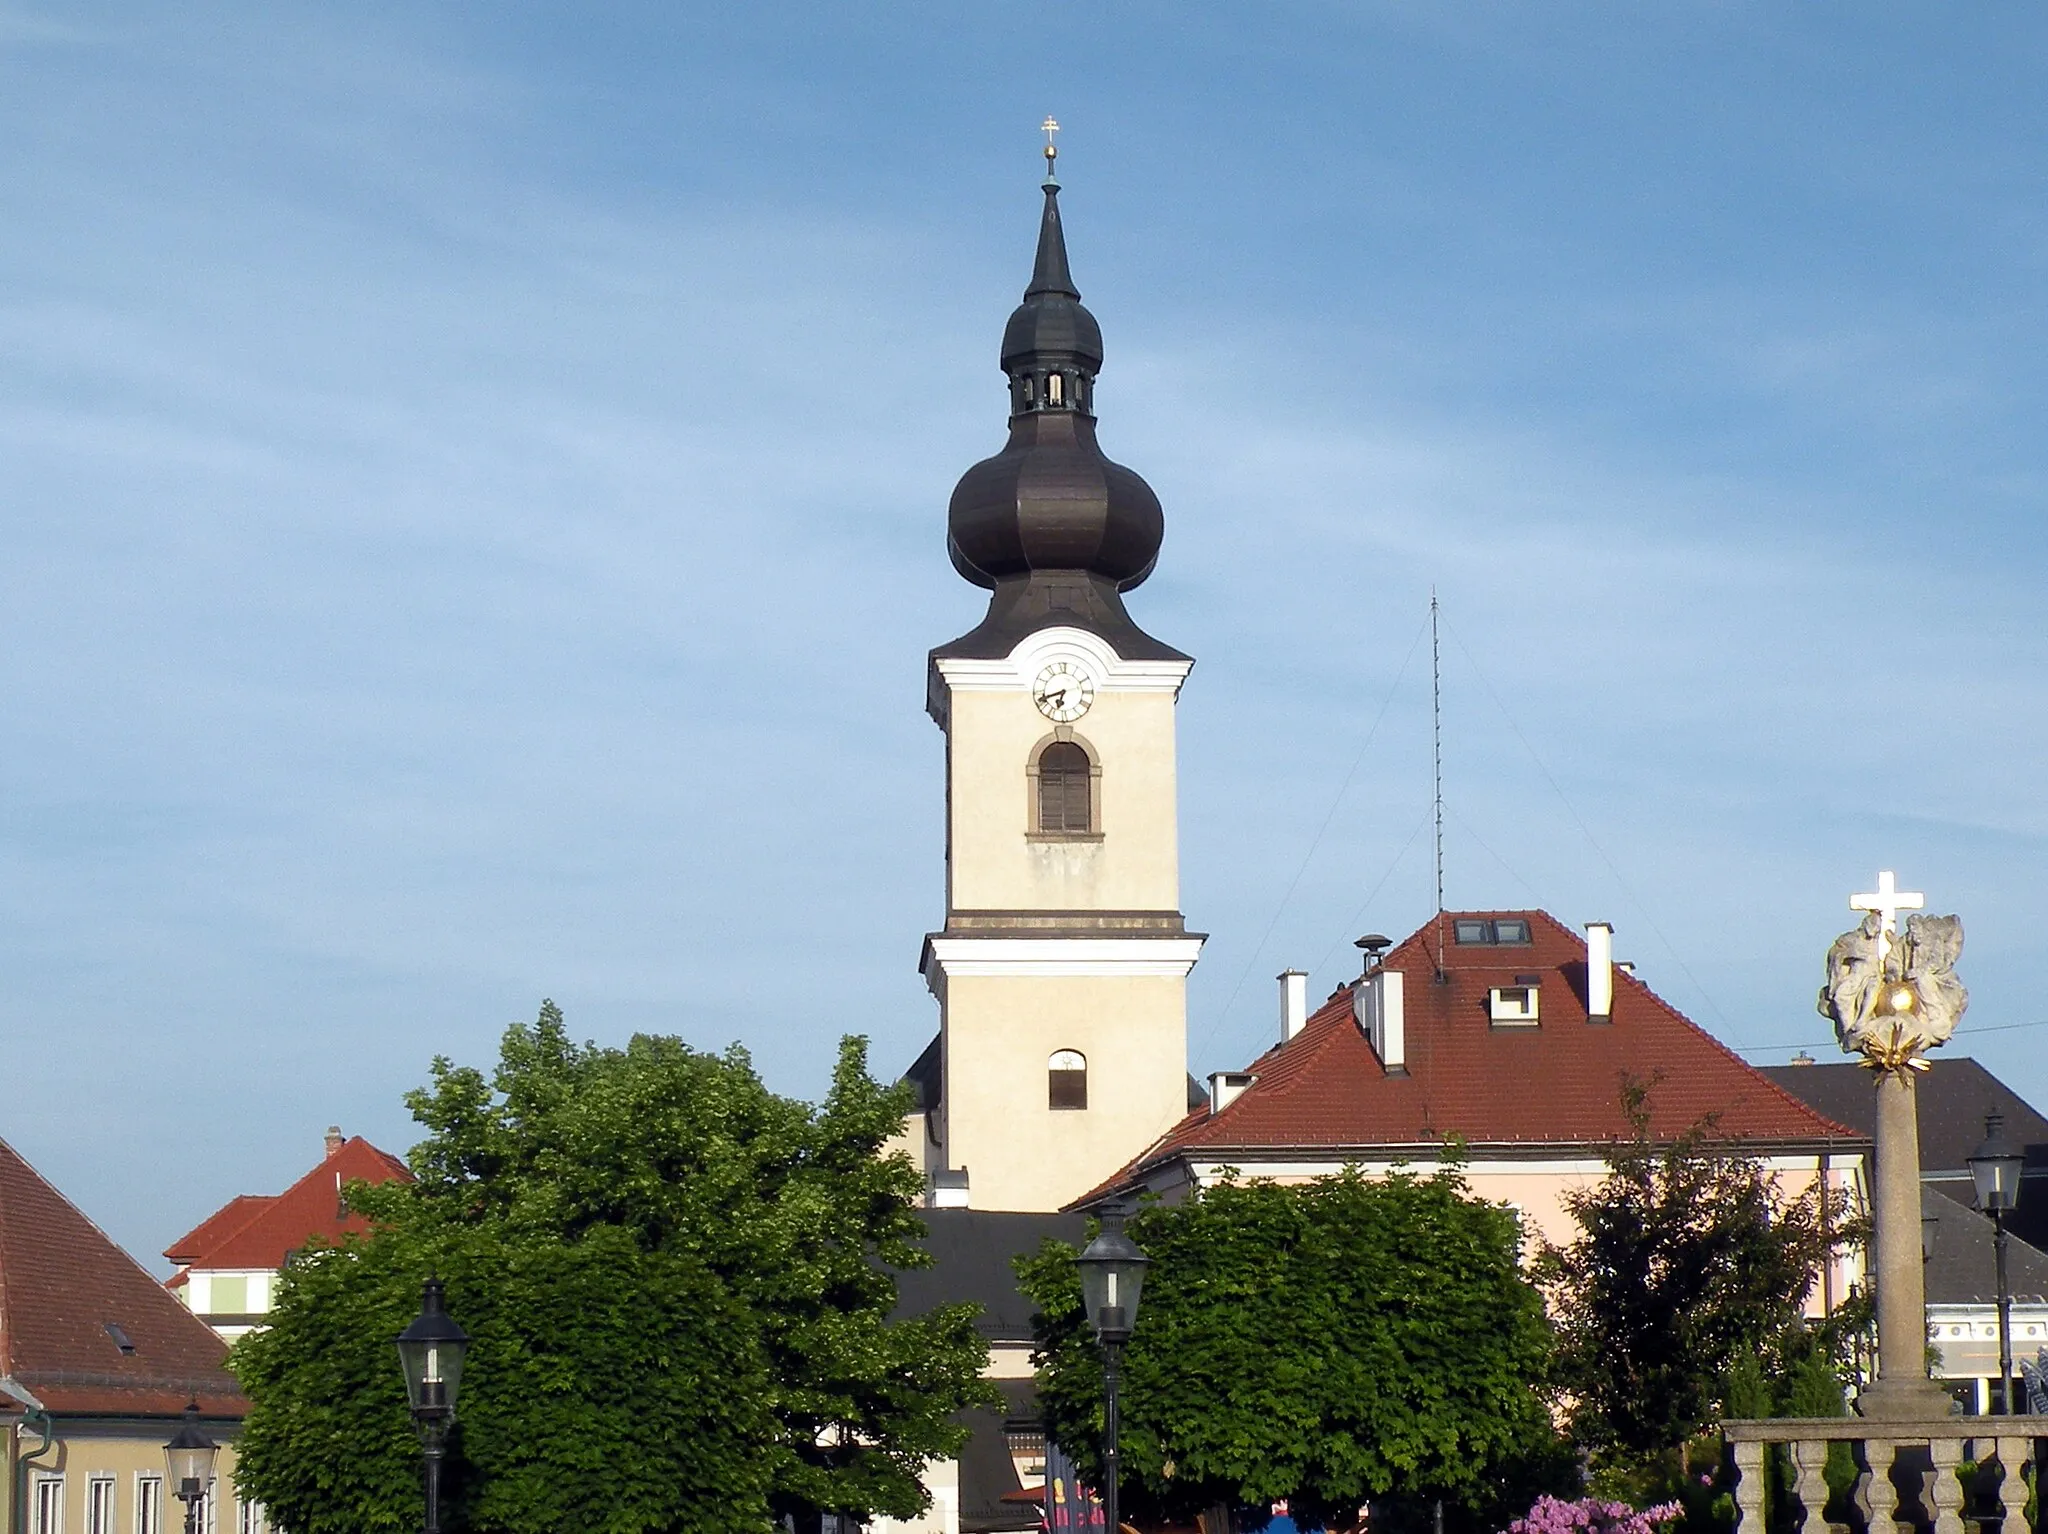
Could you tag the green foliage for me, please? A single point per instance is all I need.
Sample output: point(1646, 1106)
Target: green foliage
point(1689, 1262)
point(1327, 1343)
point(677, 1285)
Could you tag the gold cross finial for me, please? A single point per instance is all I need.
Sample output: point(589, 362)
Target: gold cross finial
point(1052, 153)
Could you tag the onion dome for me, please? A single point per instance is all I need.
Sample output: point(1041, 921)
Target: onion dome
point(1050, 501)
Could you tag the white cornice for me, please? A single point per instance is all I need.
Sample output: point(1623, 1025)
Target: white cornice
point(1036, 651)
point(1167, 958)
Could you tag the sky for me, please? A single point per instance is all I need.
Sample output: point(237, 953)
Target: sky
point(473, 482)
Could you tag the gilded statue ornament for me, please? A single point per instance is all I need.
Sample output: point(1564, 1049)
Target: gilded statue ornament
point(1894, 996)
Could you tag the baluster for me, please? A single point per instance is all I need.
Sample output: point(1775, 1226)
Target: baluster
point(1810, 1456)
point(1875, 1494)
point(1947, 1453)
point(1750, 1488)
point(2012, 1487)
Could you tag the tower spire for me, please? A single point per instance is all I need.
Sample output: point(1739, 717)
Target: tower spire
point(1050, 526)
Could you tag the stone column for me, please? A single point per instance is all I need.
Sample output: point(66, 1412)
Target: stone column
point(1902, 1390)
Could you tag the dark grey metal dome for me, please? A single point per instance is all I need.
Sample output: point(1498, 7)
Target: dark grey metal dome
point(1050, 501)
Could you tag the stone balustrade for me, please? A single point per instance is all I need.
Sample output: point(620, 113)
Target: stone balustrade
point(1907, 1481)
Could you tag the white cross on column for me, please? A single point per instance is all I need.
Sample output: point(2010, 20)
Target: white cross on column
point(1887, 900)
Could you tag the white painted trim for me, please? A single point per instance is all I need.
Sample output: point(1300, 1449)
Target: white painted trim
point(1149, 957)
point(1017, 670)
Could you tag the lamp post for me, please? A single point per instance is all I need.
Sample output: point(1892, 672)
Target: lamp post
point(1995, 1167)
point(430, 1350)
point(188, 1464)
point(1112, 1276)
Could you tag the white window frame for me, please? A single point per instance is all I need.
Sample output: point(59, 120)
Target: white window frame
point(250, 1518)
point(102, 1504)
point(46, 1505)
point(149, 1503)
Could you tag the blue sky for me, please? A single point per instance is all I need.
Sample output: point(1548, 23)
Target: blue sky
point(474, 484)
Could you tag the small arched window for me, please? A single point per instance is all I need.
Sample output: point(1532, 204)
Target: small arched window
point(1053, 392)
point(1066, 1079)
point(1065, 789)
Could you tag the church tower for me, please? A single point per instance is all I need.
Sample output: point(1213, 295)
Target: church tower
point(1061, 972)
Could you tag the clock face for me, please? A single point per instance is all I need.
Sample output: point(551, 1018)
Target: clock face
point(1063, 692)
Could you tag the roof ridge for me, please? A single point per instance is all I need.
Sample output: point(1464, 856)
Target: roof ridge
point(259, 1204)
point(91, 1224)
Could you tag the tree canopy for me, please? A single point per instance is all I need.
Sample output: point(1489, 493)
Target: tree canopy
point(1690, 1265)
point(1325, 1343)
point(677, 1285)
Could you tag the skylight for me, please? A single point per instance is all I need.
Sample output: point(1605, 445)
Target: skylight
point(1508, 931)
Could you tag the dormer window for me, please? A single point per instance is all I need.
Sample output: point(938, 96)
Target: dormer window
point(1513, 1006)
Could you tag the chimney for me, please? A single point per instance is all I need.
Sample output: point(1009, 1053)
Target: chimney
point(335, 1140)
point(949, 1189)
point(1599, 972)
point(1377, 1004)
point(1293, 1002)
point(1226, 1087)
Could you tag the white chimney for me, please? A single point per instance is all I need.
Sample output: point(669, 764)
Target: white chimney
point(1599, 971)
point(1293, 1002)
point(1226, 1087)
point(949, 1189)
point(1376, 1002)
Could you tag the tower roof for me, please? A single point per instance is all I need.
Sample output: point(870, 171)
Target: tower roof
point(1050, 510)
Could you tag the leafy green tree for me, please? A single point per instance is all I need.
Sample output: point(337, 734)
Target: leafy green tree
point(1326, 1343)
point(678, 1288)
point(1690, 1267)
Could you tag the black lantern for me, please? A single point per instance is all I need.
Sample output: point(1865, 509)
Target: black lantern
point(188, 1463)
point(1995, 1166)
point(430, 1351)
point(1112, 1277)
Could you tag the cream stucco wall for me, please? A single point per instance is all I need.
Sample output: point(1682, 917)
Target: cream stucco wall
point(1537, 1190)
point(1018, 1152)
point(122, 1453)
point(994, 861)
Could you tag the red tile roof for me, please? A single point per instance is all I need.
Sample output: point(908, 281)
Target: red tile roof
point(1514, 1090)
point(260, 1230)
point(65, 1288)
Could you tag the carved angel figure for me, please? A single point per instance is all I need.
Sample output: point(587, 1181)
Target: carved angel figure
point(1923, 958)
point(1926, 957)
point(1853, 976)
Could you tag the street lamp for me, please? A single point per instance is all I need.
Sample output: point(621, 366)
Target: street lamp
point(430, 1349)
point(188, 1463)
point(1112, 1276)
point(1995, 1166)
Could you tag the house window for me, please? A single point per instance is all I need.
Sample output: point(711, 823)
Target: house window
point(99, 1505)
point(1065, 790)
point(1511, 932)
point(149, 1504)
point(250, 1518)
point(1066, 1079)
point(1514, 1005)
point(49, 1505)
point(227, 1295)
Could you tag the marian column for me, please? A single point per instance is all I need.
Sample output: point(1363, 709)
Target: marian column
point(1892, 997)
